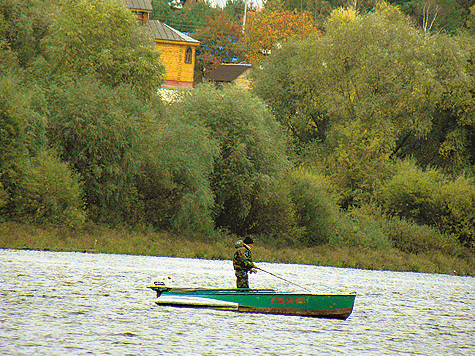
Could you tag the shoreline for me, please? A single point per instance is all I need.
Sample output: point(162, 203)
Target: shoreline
point(100, 239)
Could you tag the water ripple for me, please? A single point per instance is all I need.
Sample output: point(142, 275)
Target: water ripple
point(56, 303)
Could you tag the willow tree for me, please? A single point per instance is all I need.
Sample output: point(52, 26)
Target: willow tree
point(102, 38)
point(251, 161)
point(381, 72)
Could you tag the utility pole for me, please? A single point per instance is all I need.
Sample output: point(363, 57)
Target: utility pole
point(244, 17)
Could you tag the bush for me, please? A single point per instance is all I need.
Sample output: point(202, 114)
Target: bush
point(412, 238)
point(3, 196)
point(50, 193)
point(276, 216)
point(316, 211)
point(357, 227)
point(182, 156)
point(358, 164)
point(428, 197)
point(459, 197)
point(252, 155)
point(96, 129)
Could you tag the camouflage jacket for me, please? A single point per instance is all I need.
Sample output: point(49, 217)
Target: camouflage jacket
point(242, 260)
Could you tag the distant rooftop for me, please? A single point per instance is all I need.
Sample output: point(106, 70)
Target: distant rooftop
point(227, 72)
point(144, 5)
point(161, 31)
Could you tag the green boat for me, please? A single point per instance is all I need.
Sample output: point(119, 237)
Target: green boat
point(268, 301)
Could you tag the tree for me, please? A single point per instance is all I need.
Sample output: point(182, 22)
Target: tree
point(235, 9)
point(437, 15)
point(14, 110)
point(96, 128)
point(409, 93)
point(274, 82)
point(24, 23)
point(218, 42)
point(264, 30)
point(184, 16)
point(103, 39)
point(379, 69)
point(252, 155)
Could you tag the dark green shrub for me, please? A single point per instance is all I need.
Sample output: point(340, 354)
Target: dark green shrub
point(3, 196)
point(409, 237)
point(428, 197)
point(184, 155)
point(275, 216)
point(459, 198)
point(410, 194)
point(316, 211)
point(357, 227)
point(50, 193)
point(252, 155)
point(358, 163)
point(96, 129)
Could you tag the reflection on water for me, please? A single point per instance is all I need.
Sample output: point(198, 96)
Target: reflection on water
point(57, 303)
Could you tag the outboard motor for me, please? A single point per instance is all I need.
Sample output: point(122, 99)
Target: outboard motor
point(161, 284)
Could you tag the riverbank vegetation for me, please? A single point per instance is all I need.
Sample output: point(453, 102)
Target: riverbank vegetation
point(99, 239)
point(355, 146)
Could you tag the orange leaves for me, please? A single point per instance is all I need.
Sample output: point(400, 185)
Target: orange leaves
point(264, 30)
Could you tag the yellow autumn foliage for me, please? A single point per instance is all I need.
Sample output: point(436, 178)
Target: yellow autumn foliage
point(341, 16)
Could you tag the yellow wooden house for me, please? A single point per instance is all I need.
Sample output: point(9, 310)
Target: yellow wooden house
point(178, 50)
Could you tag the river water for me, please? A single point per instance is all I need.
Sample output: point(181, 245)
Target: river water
point(66, 303)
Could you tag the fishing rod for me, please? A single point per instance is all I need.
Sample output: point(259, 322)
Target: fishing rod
point(272, 274)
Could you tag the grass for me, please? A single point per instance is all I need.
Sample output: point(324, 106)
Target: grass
point(99, 239)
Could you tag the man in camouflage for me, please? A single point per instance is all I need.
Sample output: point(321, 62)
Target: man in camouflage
point(242, 262)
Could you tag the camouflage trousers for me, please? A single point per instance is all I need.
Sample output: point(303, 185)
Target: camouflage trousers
point(242, 280)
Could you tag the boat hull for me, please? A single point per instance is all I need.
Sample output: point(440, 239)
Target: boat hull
point(265, 301)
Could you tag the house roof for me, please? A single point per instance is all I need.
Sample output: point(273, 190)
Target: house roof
point(145, 5)
point(227, 72)
point(161, 31)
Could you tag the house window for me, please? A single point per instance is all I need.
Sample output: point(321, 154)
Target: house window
point(189, 55)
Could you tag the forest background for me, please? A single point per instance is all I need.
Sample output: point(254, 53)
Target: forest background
point(354, 147)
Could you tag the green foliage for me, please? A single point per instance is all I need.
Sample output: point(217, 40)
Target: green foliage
point(102, 38)
point(275, 84)
point(96, 128)
point(14, 114)
point(416, 90)
point(369, 68)
point(252, 156)
point(187, 18)
point(359, 162)
point(174, 180)
point(437, 15)
point(235, 8)
point(450, 143)
point(162, 11)
point(428, 197)
point(23, 24)
point(50, 193)
point(275, 217)
point(358, 228)
point(410, 237)
point(444, 15)
point(13, 107)
point(3, 195)
point(316, 211)
point(410, 192)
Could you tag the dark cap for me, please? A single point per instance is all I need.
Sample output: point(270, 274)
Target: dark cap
point(248, 240)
